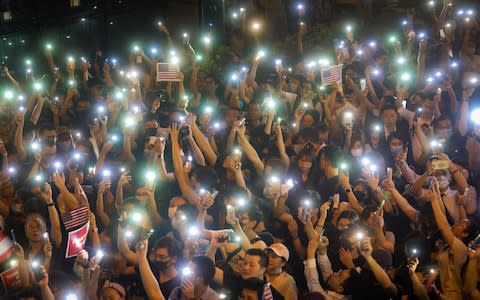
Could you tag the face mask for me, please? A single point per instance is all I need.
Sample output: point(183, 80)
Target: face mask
point(361, 196)
point(356, 152)
point(275, 271)
point(396, 149)
point(162, 266)
point(171, 212)
point(63, 147)
point(147, 154)
point(444, 133)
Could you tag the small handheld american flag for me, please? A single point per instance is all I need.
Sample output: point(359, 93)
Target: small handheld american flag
point(331, 74)
point(75, 218)
point(168, 72)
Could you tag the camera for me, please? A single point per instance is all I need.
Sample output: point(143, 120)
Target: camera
point(229, 238)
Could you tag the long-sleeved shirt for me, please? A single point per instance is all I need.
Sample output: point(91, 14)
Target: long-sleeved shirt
point(311, 275)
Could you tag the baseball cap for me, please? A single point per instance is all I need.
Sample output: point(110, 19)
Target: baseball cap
point(279, 250)
point(115, 286)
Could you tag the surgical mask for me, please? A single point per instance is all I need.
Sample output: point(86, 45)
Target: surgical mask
point(444, 133)
point(275, 271)
point(356, 152)
point(396, 149)
point(171, 212)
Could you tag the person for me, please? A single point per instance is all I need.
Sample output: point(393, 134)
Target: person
point(279, 175)
point(254, 266)
point(163, 262)
point(280, 280)
point(197, 276)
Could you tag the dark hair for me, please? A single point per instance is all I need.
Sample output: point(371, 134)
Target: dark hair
point(254, 212)
point(306, 152)
point(388, 107)
point(396, 135)
point(309, 133)
point(190, 211)
point(278, 166)
point(314, 114)
point(206, 176)
point(442, 117)
point(258, 252)
point(205, 267)
point(366, 212)
point(169, 243)
point(348, 214)
point(330, 153)
point(267, 237)
point(472, 230)
point(322, 127)
point(254, 284)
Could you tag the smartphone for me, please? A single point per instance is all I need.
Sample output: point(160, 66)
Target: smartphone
point(381, 206)
point(230, 211)
point(363, 84)
point(440, 164)
point(12, 233)
point(476, 242)
point(390, 174)
point(336, 201)
point(442, 34)
point(229, 238)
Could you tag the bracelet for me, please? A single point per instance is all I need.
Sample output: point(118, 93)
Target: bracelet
point(50, 204)
point(94, 230)
point(348, 191)
point(456, 170)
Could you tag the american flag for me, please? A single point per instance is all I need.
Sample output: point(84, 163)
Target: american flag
point(267, 292)
point(75, 218)
point(331, 74)
point(168, 72)
point(6, 247)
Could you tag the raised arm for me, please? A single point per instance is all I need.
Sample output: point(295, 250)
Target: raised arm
point(149, 281)
point(56, 233)
point(471, 275)
point(103, 187)
point(440, 218)
point(407, 209)
point(418, 288)
point(380, 275)
point(182, 179)
point(159, 161)
point(123, 248)
point(345, 180)
point(250, 152)
point(197, 153)
point(18, 143)
point(68, 200)
point(462, 123)
point(202, 142)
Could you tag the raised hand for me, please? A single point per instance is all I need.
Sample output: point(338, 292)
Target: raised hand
point(366, 248)
point(141, 248)
point(104, 185)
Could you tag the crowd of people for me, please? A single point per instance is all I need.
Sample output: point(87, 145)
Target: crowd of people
point(119, 183)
